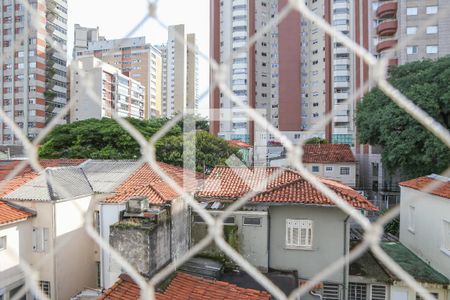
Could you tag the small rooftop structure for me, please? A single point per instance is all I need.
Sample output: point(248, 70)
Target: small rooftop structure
point(328, 153)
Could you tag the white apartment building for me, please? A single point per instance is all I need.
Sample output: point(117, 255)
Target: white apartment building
point(114, 91)
point(141, 60)
point(180, 72)
point(33, 84)
point(82, 37)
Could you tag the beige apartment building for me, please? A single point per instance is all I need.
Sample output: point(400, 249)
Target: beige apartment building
point(141, 60)
point(180, 77)
point(114, 91)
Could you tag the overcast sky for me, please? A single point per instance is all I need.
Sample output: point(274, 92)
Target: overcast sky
point(116, 18)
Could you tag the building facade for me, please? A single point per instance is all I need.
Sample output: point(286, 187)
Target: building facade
point(82, 37)
point(180, 73)
point(33, 76)
point(293, 75)
point(141, 60)
point(114, 91)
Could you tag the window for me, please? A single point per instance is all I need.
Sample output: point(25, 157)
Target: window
point(315, 169)
point(229, 220)
point(329, 169)
point(411, 50)
point(2, 243)
point(45, 287)
point(378, 292)
point(99, 275)
point(331, 291)
point(432, 49)
point(411, 11)
point(435, 295)
point(357, 291)
point(252, 221)
point(40, 239)
point(411, 218)
point(299, 233)
point(411, 30)
point(432, 29)
point(432, 10)
point(345, 171)
point(198, 219)
point(446, 237)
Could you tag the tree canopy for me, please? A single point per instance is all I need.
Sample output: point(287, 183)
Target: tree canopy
point(106, 139)
point(316, 140)
point(406, 145)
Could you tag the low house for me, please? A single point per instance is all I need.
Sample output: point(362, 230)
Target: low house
point(245, 150)
point(425, 220)
point(15, 232)
point(290, 226)
point(332, 161)
point(370, 279)
point(183, 286)
point(165, 218)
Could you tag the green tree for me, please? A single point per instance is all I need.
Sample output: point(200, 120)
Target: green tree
point(407, 146)
point(316, 140)
point(106, 139)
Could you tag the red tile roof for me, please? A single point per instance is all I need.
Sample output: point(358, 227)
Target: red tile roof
point(225, 183)
point(184, 287)
point(239, 144)
point(28, 172)
point(10, 214)
point(327, 153)
point(147, 183)
point(442, 190)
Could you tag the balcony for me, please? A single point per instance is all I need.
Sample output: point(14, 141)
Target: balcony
point(386, 44)
point(387, 10)
point(387, 28)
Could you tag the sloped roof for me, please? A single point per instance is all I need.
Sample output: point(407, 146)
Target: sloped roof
point(28, 173)
point(443, 190)
point(147, 183)
point(106, 175)
point(184, 287)
point(53, 184)
point(239, 144)
point(327, 153)
point(226, 183)
point(11, 214)
point(412, 264)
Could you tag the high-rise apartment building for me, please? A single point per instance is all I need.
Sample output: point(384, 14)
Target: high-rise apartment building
point(141, 60)
point(114, 90)
point(294, 75)
point(33, 84)
point(82, 37)
point(180, 74)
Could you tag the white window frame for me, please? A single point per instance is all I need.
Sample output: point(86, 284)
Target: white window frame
point(446, 236)
point(412, 218)
point(410, 50)
point(40, 239)
point(299, 234)
point(411, 11)
point(432, 29)
point(411, 30)
point(341, 171)
point(45, 287)
point(329, 169)
point(374, 295)
point(430, 49)
point(3, 243)
point(432, 10)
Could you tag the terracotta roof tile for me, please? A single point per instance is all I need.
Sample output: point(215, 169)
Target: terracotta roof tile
point(10, 214)
point(289, 187)
point(184, 287)
point(28, 172)
point(146, 182)
point(239, 144)
point(327, 153)
point(443, 190)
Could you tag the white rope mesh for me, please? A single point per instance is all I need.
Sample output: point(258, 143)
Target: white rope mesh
point(373, 231)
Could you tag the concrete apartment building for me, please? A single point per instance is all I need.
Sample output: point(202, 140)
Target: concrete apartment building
point(180, 73)
point(33, 80)
point(141, 60)
point(114, 91)
point(293, 75)
point(82, 37)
